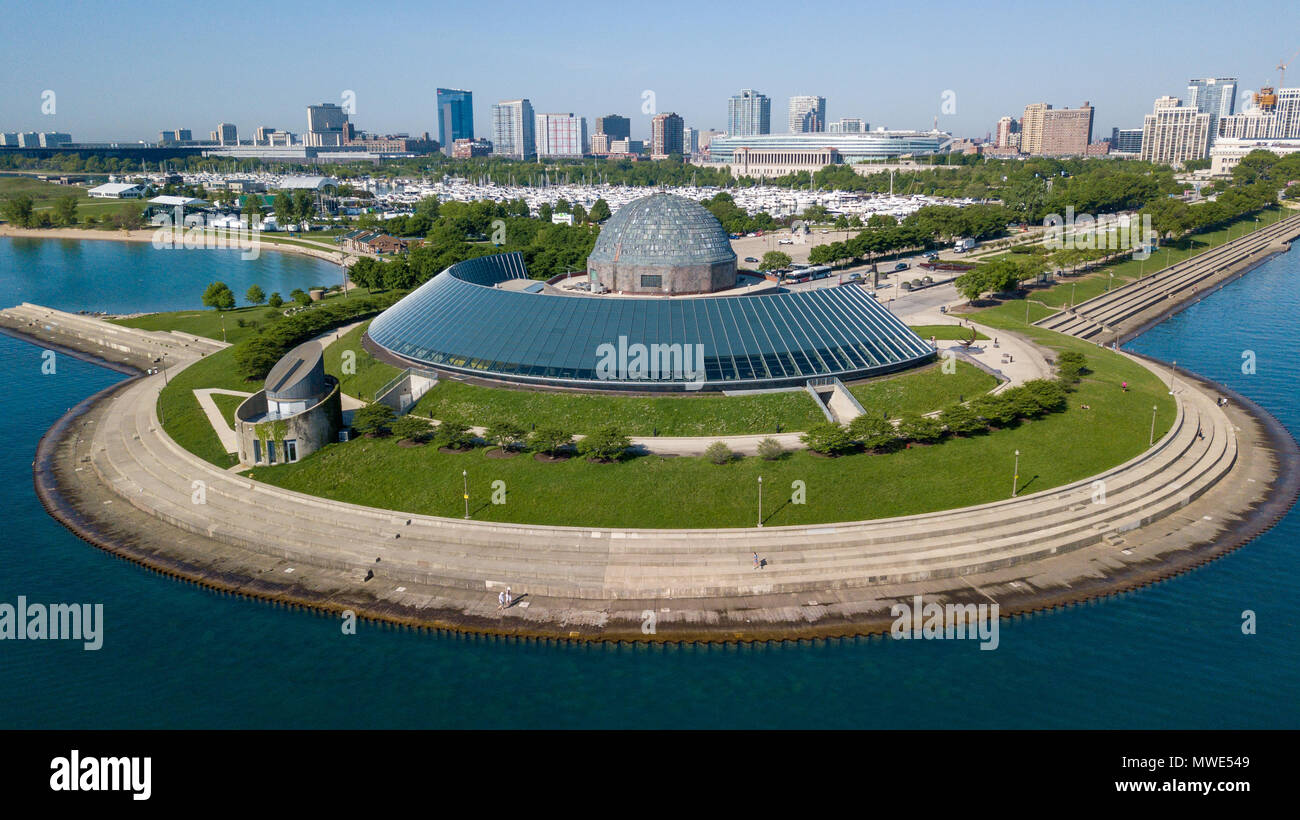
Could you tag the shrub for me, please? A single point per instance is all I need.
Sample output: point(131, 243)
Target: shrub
point(919, 428)
point(374, 419)
point(828, 438)
point(961, 420)
point(454, 433)
point(411, 428)
point(275, 301)
point(875, 433)
point(1036, 398)
point(605, 444)
point(505, 434)
point(769, 449)
point(1071, 366)
point(719, 453)
point(994, 409)
point(550, 440)
point(300, 296)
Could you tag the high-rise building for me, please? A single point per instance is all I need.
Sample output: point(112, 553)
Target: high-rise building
point(1047, 131)
point(1126, 140)
point(263, 135)
point(52, 139)
point(455, 117)
point(690, 141)
point(1174, 133)
point(512, 129)
point(847, 125)
point(326, 125)
point(749, 113)
point(29, 139)
point(1216, 96)
point(1276, 118)
point(666, 135)
point(614, 127)
point(1008, 136)
point(467, 149)
point(227, 134)
point(807, 114)
point(561, 135)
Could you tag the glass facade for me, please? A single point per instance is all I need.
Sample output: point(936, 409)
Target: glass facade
point(455, 117)
point(458, 321)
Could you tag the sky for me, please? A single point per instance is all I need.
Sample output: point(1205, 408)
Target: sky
point(127, 71)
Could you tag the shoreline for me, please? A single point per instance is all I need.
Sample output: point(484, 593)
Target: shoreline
point(146, 235)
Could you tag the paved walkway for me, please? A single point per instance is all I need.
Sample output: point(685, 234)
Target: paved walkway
point(218, 419)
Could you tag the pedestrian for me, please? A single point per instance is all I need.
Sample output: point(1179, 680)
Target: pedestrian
point(756, 563)
point(510, 599)
point(1124, 386)
point(501, 601)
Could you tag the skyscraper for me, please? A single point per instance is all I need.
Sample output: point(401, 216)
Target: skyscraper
point(227, 134)
point(847, 125)
point(749, 113)
point(326, 124)
point(561, 135)
point(455, 117)
point(1174, 133)
point(614, 127)
point(1045, 131)
point(807, 114)
point(666, 135)
point(1216, 96)
point(1278, 118)
point(512, 129)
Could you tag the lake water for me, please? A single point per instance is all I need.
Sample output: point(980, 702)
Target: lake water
point(175, 656)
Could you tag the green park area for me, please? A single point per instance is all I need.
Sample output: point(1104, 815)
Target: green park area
point(655, 491)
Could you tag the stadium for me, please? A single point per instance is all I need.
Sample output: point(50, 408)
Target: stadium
point(661, 307)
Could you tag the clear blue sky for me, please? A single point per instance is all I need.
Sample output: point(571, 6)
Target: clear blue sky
point(127, 71)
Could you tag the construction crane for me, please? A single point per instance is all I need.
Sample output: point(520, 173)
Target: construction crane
point(1281, 69)
point(1266, 97)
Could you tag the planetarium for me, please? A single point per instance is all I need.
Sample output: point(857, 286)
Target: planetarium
point(670, 318)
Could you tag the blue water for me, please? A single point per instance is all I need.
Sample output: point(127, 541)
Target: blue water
point(129, 277)
point(176, 656)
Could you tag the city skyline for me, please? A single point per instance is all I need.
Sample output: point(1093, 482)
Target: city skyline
point(257, 84)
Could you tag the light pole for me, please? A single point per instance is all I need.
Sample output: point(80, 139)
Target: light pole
point(1152, 439)
point(465, 475)
point(1172, 371)
point(1111, 282)
point(1072, 284)
point(1015, 476)
point(760, 501)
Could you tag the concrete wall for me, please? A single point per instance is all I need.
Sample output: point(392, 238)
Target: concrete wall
point(312, 429)
point(682, 279)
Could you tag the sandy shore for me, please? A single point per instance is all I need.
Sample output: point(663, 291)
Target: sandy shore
point(147, 235)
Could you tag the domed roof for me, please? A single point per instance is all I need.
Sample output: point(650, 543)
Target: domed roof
point(663, 229)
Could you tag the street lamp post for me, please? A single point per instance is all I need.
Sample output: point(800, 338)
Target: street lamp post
point(760, 501)
point(1152, 439)
point(465, 475)
point(1072, 284)
point(1172, 371)
point(1015, 476)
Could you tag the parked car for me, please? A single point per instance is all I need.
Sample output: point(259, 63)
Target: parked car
point(931, 254)
point(785, 241)
point(901, 266)
point(854, 277)
point(750, 259)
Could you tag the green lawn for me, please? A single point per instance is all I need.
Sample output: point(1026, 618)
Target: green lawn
point(182, 416)
point(369, 374)
point(691, 492)
point(698, 415)
point(922, 391)
point(207, 323)
point(227, 404)
point(945, 332)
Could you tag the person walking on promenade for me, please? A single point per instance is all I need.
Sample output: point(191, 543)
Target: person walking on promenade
point(510, 599)
point(501, 601)
point(757, 563)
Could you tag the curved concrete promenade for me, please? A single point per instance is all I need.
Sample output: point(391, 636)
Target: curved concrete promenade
point(111, 474)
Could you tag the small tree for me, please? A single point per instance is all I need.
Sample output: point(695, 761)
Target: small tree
point(1071, 366)
point(218, 295)
point(995, 410)
point(874, 432)
point(275, 301)
point(828, 438)
point(255, 295)
point(550, 440)
point(719, 453)
point(453, 433)
point(774, 260)
point(505, 434)
point(961, 420)
point(65, 210)
point(919, 428)
point(300, 296)
point(411, 428)
point(373, 420)
point(769, 449)
point(606, 444)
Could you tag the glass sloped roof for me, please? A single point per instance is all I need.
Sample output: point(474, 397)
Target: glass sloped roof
point(663, 229)
point(458, 321)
